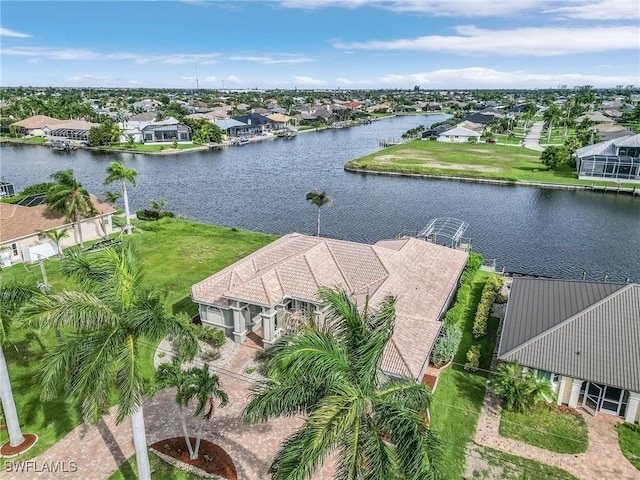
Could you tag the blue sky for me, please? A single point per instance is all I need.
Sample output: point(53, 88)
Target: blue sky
point(450, 44)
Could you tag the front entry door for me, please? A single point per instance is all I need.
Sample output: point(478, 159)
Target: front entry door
point(592, 398)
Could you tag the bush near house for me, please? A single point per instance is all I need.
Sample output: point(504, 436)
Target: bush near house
point(473, 358)
point(151, 215)
point(447, 344)
point(489, 292)
point(456, 313)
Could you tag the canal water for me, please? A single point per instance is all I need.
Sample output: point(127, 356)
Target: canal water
point(261, 186)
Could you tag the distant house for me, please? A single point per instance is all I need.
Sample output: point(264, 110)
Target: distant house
point(21, 225)
point(584, 337)
point(34, 125)
point(458, 135)
point(617, 160)
point(270, 291)
point(433, 133)
point(230, 126)
point(280, 121)
point(166, 131)
point(146, 105)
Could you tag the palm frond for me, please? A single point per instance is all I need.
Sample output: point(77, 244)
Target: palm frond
point(128, 380)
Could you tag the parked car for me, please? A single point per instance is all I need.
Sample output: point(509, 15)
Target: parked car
point(491, 140)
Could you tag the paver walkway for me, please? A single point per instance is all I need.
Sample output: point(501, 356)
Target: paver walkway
point(603, 459)
point(532, 139)
point(98, 450)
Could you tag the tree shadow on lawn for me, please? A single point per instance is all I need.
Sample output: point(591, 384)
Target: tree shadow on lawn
point(56, 415)
point(115, 450)
point(185, 304)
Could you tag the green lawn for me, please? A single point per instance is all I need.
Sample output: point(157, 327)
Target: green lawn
point(511, 467)
point(547, 427)
point(160, 470)
point(481, 160)
point(629, 439)
point(176, 254)
point(36, 140)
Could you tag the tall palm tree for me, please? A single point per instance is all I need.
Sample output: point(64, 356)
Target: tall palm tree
point(329, 372)
point(56, 236)
point(12, 297)
point(318, 198)
point(551, 117)
point(117, 172)
point(67, 196)
point(104, 327)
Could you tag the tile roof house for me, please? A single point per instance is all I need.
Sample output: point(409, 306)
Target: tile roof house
point(583, 336)
point(268, 290)
point(458, 135)
point(20, 227)
point(34, 125)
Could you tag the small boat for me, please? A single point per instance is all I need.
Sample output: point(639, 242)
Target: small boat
point(243, 140)
point(60, 145)
point(287, 134)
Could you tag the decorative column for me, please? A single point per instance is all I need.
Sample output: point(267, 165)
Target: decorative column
point(575, 392)
point(563, 385)
point(269, 326)
point(239, 324)
point(632, 407)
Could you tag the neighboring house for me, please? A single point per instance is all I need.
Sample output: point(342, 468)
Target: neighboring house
point(458, 135)
point(166, 131)
point(34, 125)
point(256, 123)
point(69, 130)
point(583, 336)
point(617, 160)
point(596, 117)
point(270, 291)
point(21, 224)
point(146, 105)
point(280, 121)
point(230, 126)
point(434, 132)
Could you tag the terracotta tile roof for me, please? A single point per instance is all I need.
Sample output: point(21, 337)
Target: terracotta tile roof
point(17, 221)
point(38, 121)
point(419, 274)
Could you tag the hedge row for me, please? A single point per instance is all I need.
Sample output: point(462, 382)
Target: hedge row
point(447, 344)
point(473, 358)
point(153, 214)
point(489, 292)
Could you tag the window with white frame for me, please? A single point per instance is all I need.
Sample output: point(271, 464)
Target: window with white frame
point(14, 249)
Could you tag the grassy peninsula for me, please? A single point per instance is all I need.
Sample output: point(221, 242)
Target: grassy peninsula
point(467, 160)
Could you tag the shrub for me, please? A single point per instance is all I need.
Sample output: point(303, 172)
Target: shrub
point(211, 336)
point(447, 345)
point(520, 392)
point(489, 292)
point(150, 215)
point(473, 358)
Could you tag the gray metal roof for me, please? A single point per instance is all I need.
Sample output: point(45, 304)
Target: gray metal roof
point(583, 330)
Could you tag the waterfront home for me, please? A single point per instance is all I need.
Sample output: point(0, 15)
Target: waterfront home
point(166, 131)
point(274, 289)
point(617, 160)
point(33, 126)
point(69, 131)
point(146, 105)
point(256, 124)
point(584, 337)
point(458, 135)
point(22, 226)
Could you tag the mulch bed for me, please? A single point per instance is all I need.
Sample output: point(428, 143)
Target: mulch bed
point(8, 451)
point(211, 458)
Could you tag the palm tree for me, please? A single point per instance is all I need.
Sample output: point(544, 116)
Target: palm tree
point(205, 389)
point(195, 383)
point(318, 198)
point(520, 392)
point(328, 372)
point(117, 172)
point(551, 117)
point(67, 196)
point(56, 236)
point(12, 297)
point(112, 197)
point(105, 326)
point(158, 205)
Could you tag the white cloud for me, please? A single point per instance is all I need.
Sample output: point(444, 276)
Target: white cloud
point(80, 54)
point(598, 10)
point(578, 9)
point(209, 79)
point(480, 77)
point(7, 32)
point(89, 78)
point(266, 59)
point(526, 41)
point(232, 79)
point(309, 81)
point(346, 81)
